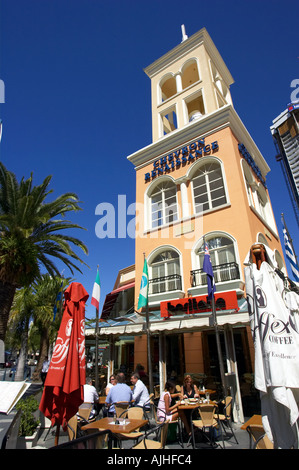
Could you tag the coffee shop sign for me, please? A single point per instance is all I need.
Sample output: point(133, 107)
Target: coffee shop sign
point(183, 156)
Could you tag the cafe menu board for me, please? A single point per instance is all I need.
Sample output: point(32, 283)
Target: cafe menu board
point(10, 394)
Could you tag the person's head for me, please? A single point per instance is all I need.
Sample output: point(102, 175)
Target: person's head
point(188, 381)
point(112, 379)
point(120, 378)
point(134, 378)
point(88, 380)
point(170, 386)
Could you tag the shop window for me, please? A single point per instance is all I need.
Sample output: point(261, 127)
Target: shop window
point(208, 187)
point(165, 272)
point(163, 202)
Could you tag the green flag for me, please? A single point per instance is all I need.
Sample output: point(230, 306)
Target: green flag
point(142, 300)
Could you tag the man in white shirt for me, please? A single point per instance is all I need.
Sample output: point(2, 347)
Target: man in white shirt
point(140, 392)
point(90, 395)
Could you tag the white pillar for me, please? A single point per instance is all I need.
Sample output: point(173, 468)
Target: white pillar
point(184, 198)
point(179, 86)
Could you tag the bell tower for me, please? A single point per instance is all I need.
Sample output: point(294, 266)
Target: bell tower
point(187, 83)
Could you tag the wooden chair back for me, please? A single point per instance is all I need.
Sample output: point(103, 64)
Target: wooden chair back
point(72, 427)
point(207, 412)
point(263, 443)
point(120, 407)
point(85, 410)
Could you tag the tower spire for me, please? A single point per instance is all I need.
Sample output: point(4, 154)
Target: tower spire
point(184, 35)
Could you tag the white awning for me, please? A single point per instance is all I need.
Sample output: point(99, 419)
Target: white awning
point(196, 323)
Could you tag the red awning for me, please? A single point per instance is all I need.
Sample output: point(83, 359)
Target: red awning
point(111, 299)
point(125, 287)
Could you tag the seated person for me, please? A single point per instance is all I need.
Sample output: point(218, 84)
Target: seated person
point(140, 392)
point(91, 396)
point(112, 381)
point(189, 389)
point(165, 410)
point(120, 392)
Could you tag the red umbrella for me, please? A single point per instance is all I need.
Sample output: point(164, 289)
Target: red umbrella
point(63, 390)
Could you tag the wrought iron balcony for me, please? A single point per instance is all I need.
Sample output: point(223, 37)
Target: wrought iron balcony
point(222, 273)
point(165, 284)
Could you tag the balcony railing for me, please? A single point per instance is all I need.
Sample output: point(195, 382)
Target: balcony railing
point(222, 273)
point(165, 284)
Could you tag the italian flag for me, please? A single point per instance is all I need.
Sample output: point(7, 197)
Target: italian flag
point(95, 299)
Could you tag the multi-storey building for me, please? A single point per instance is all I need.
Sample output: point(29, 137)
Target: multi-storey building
point(285, 132)
point(201, 180)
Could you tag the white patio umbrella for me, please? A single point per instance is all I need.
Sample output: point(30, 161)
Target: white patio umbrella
point(274, 318)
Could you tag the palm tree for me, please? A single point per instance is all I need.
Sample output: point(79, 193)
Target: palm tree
point(21, 313)
point(46, 290)
point(31, 232)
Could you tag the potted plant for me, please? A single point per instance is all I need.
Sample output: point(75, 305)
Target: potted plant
point(28, 430)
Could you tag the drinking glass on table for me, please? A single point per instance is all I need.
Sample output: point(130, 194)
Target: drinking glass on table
point(208, 397)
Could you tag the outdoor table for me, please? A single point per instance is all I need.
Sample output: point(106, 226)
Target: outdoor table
point(102, 400)
point(208, 390)
point(190, 405)
point(127, 426)
point(255, 419)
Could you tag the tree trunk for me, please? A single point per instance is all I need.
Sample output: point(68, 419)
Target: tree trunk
point(44, 348)
point(22, 356)
point(7, 292)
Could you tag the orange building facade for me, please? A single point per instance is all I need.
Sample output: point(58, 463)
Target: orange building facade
point(202, 180)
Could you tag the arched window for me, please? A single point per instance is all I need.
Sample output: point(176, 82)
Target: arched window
point(165, 272)
point(208, 187)
point(257, 196)
point(163, 203)
point(223, 259)
point(168, 87)
point(189, 73)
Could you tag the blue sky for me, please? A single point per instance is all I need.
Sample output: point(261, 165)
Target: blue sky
point(77, 101)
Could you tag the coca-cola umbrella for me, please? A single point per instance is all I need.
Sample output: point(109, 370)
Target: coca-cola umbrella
point(63, 389)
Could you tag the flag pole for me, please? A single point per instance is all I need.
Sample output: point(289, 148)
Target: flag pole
point(219, 351)
point(289, 236)
point(208, 269)
point(97, 347)
point(149, 358)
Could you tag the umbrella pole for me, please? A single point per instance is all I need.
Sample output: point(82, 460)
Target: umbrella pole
point(57, 434)
point(220, 358)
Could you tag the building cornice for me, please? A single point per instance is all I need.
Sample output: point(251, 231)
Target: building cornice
point(202, 128)
point(201, 37)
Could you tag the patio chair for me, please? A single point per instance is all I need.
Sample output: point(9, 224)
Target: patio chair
point(263, 442)
point(208, 422)
point(135, 412)
point(146, 443)
point(96, 440)
point(120, 407)
point(85, 412)
point(176, 423)
point(255, 431)
point(72, 427)
point(226, 418)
